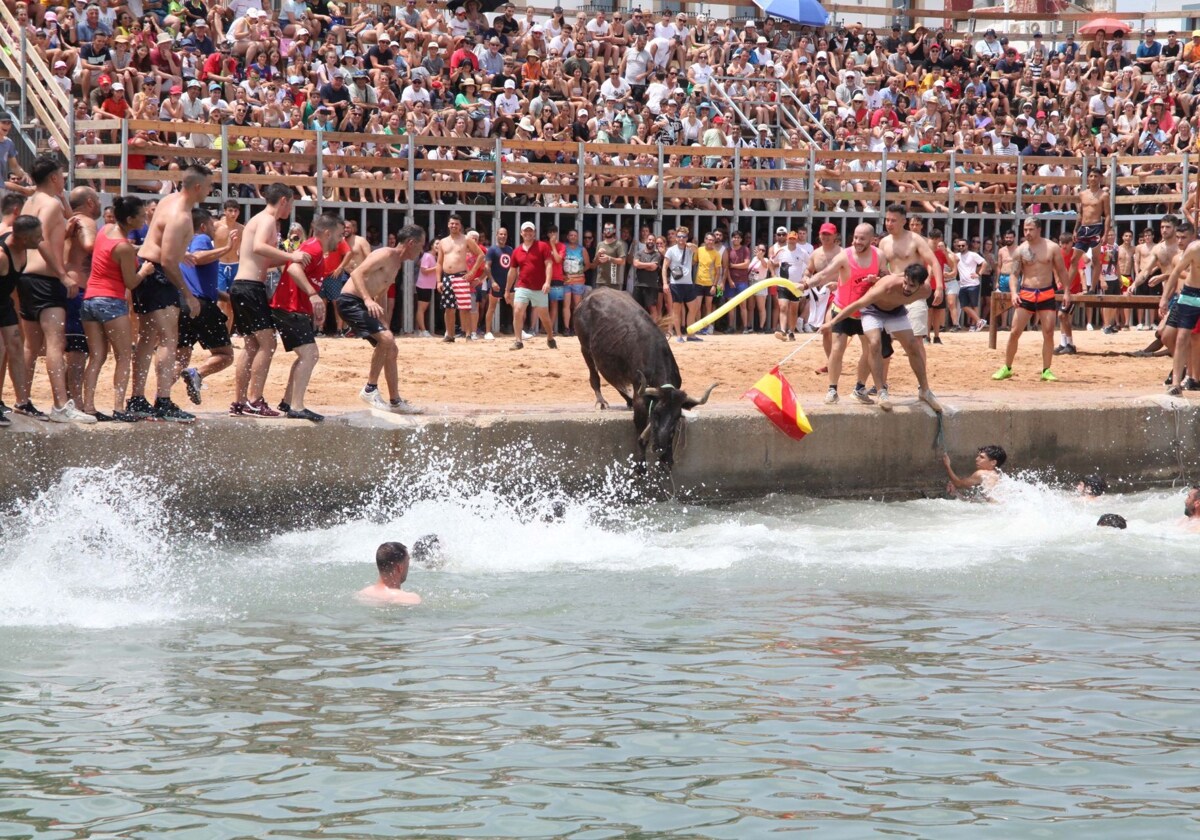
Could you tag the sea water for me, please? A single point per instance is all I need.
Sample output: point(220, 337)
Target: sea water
point(599, 667)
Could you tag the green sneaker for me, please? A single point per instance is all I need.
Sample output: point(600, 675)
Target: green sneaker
point(1005, 372)
point(1047, 376)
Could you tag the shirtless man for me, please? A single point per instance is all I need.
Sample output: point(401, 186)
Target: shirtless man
point(1181, 306)
point(902, 248)
point(357, 251)
point(883, 307)
point(157, 298)
point(228, 234)
point(988, 461)
point(1126, 269)
point(252, 318)
point(362, 311)
point(15, 249)
point(1037, 267)
point(391, 559)
point(1191, 509)
point(43, 290)
point(1154, 268)
point(853, 271)
point(455, 282)
point(81, 240)
point(1093, 215)
point(1004, 260)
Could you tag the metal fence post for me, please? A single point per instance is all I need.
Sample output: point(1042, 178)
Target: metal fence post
point(225, 162)
point(124, 157)
point(411, 191)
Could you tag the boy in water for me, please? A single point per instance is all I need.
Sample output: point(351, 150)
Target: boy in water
point(988, 461)
point(391, 558)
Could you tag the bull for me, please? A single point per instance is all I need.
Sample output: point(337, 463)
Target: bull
point(622, 343)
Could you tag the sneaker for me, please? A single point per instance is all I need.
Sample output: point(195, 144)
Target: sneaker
point(694, 338)
point(872, 391)
point(194, 382)
point(885, 402)
point(403, 406)
point(166, 410)
point(1005, 372)
point(424, 334)
point(791, 335)
point(284, 407)
point(69, 414)
point(101, 417)
point(304, 414)
point(1090, 327)
point(781, 335)
point(1170, 378)
point(448, 339)
point(1047, 376)
point(1071, 351)
point(1174, 391)
point(982, 323)
point(1190, 384)
point(519, 345)
point(4, 409)
point(831, 397)
point(124, 417)
point(472, 337)
point(373, 398)
point(489, 337)
point(237, 409)
point(747, 331)
point(4, 421)
point(28, 409)
point(139, 407)
point(937, 339)
point(680, 340)
point(259, 408)
point(1062, 350)
point(1109, 330)
point(929, 399)
point(525, 336)
point(860, 394)
point(551, 344)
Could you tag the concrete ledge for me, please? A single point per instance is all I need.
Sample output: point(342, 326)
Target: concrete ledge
point(248, 470)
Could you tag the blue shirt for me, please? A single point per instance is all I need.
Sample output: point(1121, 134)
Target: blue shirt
point(138, 235)
point(201, 279)
point(499, 261)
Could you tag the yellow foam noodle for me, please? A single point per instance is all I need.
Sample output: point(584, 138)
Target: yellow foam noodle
point(754, 289)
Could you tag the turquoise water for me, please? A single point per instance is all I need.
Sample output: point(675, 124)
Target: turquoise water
point(915, 669)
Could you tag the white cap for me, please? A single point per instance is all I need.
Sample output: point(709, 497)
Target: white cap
point(118, 86)
point(582, 113)
point(781, 229)
point(509, 84)
point(528, 226)
point(59, 64)
point(537, 28)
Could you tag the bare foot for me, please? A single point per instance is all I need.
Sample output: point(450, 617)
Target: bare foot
point(822, 369)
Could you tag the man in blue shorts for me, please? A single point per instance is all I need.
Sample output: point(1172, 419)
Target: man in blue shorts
point(499, 260)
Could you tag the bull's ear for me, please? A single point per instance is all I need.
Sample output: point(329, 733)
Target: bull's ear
point(690, 402)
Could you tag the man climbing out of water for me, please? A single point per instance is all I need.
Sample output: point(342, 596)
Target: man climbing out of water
point(1191, 508)
point(884, 307)
point(1037, 267)
point(391, 559)
point(988, 461)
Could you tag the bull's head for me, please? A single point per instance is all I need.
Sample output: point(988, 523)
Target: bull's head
point(663, 406)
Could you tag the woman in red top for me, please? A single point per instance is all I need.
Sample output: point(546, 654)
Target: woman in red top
point(105, 311)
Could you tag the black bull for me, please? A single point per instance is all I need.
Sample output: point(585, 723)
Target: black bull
point(621, 342)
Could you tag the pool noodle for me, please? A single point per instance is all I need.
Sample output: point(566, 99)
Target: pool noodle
point(754, 289)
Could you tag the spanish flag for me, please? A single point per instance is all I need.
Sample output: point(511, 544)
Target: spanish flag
point(775, 398)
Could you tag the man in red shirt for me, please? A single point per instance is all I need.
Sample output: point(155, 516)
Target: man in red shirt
point(529, 283)
point(297, 304)
point(464, 55)
point(884, 118)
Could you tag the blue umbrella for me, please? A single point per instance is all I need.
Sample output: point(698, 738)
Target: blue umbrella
point(804, 12)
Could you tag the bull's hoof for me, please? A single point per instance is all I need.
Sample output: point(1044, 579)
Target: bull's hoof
point(602, 405)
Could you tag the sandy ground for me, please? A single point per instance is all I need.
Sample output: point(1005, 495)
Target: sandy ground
point(467, 377)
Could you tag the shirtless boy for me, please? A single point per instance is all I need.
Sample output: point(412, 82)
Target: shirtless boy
point(391, 559)
point(361, 309)
point(883, 307)
point(902, 248)
point(228, 234)
point(1093, 215)
point(157, 298)
point(43, 290)
point(252, 317)
point(988, 461)
point(1037, 268)
point(456, 283)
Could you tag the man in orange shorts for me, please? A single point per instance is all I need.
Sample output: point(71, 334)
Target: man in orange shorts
point(1037, 267)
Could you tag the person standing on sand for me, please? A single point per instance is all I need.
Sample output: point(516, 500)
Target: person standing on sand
point(1092, 227)
point(209, 329)
point(1181, 306)
point(529, 284)
point(15, 245)
point(391, 559)
point(228, 235)
point(902, 248)
point(456, 272)
point(1037, 268)
point(361, 310)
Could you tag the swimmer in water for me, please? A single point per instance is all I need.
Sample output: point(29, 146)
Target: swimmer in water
point(427, 552)
point(1191, 508)
point(1092, 487)
point(988, 461)
point(1111, 520)
point(392, 560)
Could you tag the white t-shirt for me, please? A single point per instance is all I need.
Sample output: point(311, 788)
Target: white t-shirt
point(679, 265)
point(969, 264)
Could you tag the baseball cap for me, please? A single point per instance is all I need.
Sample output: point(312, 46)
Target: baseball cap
point(793, 235)
point(214, 86)
point(118, 86)
point(780, 229)
point(176, 89)
point(191, 83)
point(528, 226)
point(829, 227)
point(103, 80)
point(61, 64)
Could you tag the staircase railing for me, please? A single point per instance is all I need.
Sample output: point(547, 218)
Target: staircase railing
point(49, 102)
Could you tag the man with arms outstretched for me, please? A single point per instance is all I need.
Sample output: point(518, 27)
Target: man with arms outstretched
point(1037, 268)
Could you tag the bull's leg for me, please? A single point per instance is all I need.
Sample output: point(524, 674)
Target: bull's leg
point(627, 397)
point(594, 378)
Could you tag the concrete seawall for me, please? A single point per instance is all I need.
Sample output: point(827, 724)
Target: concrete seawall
point(270, 470)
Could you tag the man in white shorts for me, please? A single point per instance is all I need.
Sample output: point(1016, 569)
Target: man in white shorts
point(883, 308)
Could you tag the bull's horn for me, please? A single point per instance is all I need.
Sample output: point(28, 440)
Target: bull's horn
point(692, 403)
point(653, 393)
point(644, 437)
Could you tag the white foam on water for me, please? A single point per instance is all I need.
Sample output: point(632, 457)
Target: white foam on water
point(92, 551)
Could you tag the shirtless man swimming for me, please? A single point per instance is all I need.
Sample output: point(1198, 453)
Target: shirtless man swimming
point(81, 241)
point(853, 270)
point(455, 282)
point(883, 307)
point(391, 559)
point(988, 461)
point(360, 306)
point(902, 248)
point(157, 298)
point(1092, 227)
point(1037, 268)
point(1181, 305)
point(252, 317)
point(228, 234)
point(43, 290)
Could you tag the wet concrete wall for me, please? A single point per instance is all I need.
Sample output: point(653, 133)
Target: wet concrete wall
point(273, 469)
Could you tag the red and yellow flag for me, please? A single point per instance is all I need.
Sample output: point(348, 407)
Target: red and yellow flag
point(775, 398)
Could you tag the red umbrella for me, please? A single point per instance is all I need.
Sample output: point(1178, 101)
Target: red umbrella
point(1109, 26)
